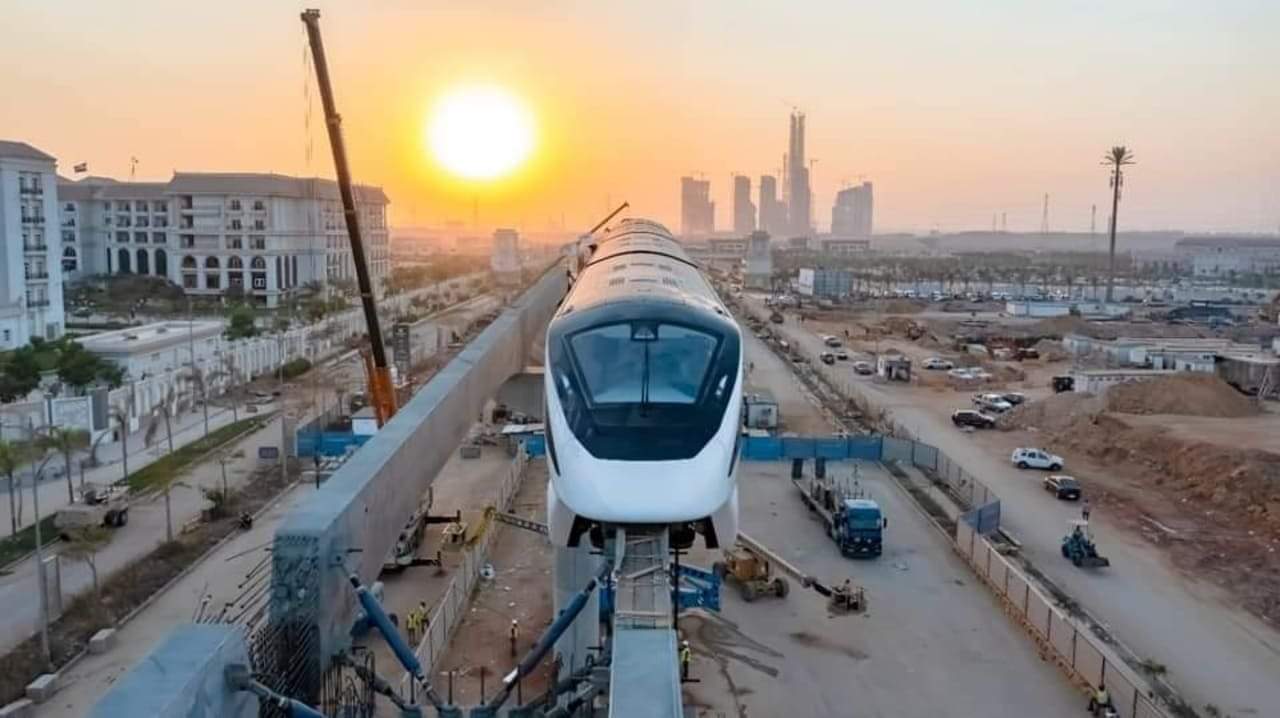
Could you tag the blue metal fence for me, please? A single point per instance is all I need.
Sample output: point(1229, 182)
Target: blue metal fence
point(327, 443)
point(834, 448)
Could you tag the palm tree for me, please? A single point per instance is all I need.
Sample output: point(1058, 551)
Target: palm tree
point(120, 415)
point(11, 457)
point(1117, 158)
point(164, 410)
point(66, 441)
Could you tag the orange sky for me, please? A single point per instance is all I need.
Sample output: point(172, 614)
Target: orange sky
point(955, 110)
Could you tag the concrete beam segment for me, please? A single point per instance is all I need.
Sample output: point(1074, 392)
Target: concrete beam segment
point(645, 677)
point(183, 678)
point(353, 521)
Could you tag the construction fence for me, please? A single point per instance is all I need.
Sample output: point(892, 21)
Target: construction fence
point(1084, 656)
point(1060, 635)
point(452, 607)
point(981, 504)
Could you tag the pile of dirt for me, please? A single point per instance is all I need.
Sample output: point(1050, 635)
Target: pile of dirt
point(1056, 413)
point(1190, 393)
point(1059, 326)
point(1050, 350)
point(902, 306)
point(1225, 497)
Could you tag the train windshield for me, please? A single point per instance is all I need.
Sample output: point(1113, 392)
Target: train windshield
point(643, 363)
point(645, 390)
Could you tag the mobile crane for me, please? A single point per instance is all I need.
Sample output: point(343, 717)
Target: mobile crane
point(382, 393)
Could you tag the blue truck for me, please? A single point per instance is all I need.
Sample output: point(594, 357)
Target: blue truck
point(852, 520)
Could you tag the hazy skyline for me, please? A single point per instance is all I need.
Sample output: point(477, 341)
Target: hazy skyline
point(957, 111)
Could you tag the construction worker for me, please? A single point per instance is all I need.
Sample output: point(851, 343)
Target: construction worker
point(686, 655)
point(1085, 508)
point(414, 623)
point(1100, 699)
point(515, 636)
point(424, 617)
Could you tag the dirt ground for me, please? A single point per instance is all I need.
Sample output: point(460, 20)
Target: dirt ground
point(1205, 489)
point(1171, 606)
point(521, 589)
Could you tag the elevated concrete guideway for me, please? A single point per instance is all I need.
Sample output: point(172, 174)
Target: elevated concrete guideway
point(351, 524)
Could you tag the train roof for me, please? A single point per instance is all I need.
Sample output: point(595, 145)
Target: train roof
point(640, 260)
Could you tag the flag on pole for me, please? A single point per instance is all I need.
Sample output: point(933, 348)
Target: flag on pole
point(81, 168)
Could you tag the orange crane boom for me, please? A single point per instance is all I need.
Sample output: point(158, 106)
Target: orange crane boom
point(382, 395)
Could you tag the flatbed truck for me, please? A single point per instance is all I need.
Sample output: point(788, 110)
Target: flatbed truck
point(854, 522)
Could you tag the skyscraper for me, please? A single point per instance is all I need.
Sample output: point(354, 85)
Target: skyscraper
point(851, 214)
point(773, 214)
point(799, 205)
point(744, 212)
point(697, 211)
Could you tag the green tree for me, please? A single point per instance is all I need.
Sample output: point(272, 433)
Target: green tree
point(66, 441)
point(12, 456)
point(241, 322)
point(80, 368)
point(83, 545)
point(21, 374)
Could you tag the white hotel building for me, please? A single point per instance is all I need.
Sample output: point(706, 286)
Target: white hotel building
point(30, 276)
point(262, 236)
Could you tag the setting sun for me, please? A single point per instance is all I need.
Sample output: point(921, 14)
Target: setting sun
point(480, 133)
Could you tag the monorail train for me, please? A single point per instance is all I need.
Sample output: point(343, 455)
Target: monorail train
point(644, 394)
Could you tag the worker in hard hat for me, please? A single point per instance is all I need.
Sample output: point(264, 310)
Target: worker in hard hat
point(514, 633)
point(686, 655)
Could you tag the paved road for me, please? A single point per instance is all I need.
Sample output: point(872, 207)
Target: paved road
point(218, 576)
point(187, 427)
point(145, 531)
point(934, 642)
point(1214, 652)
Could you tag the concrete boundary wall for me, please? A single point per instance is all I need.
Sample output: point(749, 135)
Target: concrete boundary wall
point(1080, 654)
point(353, 521)
point(452, 607)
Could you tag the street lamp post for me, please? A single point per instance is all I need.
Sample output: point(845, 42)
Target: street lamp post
point(36, 472)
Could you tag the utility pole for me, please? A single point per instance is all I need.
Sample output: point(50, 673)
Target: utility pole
point(1044, 216)
point(191, 345)
point(1093, 220)
point(1004, 222)
point(40, 575)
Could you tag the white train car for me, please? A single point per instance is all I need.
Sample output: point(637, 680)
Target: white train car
point(644, 395)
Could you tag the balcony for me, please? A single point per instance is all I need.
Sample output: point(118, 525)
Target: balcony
point(30, 189)
point(35, 276)
point(33, 220)
point(41, 248)
point(37, 303)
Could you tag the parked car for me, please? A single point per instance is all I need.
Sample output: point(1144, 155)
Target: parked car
point(1036, 459)
point(938, 363)
point(831, 341)
point(969, 417)
point(863, 367)
point(827, 358)
point(1014, 397)
point(1065, 488)
point(991, 402)
point(963, 373)
point(842, 355)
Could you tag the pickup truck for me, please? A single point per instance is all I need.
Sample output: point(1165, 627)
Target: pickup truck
point(96, 505)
